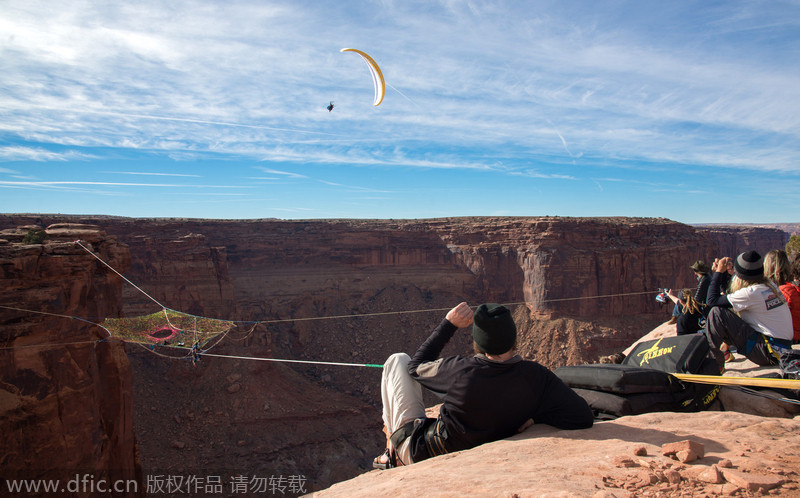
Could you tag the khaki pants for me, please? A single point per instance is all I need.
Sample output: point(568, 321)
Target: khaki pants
point(402, 400)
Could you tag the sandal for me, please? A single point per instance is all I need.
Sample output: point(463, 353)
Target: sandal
point(728, 356)
point(378, 462)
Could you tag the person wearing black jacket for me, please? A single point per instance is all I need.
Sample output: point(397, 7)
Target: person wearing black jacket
point(752, 315)
point(486, 397)
point(701, 274)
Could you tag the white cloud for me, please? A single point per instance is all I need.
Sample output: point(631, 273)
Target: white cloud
point(471, 86)
point(287, 174)
point(22, 153)
point(114, 184)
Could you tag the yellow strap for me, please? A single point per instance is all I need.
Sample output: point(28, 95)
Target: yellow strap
point(740, 381)
point(769, 348)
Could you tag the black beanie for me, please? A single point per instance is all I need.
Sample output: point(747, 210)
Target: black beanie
point(748, 265)
point(493, 329)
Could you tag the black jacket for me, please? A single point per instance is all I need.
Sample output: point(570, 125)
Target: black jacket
point(701, 294)
point(486, 400)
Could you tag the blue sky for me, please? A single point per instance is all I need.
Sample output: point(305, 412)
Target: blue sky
point(688, 110)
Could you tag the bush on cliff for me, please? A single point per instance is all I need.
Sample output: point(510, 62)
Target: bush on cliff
point(35, 236)
point(793, 247)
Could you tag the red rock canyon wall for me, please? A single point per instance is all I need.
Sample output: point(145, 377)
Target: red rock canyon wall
point(66, 400)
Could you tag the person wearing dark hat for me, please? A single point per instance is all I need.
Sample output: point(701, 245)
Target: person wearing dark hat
point(752, 315)
point(486, 397)
point(701, 271)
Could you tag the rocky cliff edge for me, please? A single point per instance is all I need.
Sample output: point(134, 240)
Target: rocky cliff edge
point(742, 455)
point(750, 449)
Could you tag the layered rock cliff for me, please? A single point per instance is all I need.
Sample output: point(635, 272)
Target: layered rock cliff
point(66, 397)
point(603, 272)
point(581, 286)
point(731, 240)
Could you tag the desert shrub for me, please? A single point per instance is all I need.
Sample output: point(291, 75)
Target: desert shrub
point(35, 236)
point(793, 247)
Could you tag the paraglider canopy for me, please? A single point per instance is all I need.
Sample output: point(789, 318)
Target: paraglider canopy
point(377, 76)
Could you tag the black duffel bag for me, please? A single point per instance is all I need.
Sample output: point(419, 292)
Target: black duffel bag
point(642, 383)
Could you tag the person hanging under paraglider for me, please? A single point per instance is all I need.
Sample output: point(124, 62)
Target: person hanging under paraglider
point(330, 106)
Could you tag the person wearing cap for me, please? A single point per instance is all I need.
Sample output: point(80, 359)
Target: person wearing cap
point(701, 271)
point(752, 315)
point(485, 397)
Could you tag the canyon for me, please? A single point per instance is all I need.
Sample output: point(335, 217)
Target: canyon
point(328, 291)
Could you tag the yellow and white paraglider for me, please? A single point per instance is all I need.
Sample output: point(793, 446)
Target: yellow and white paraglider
point(377, 76)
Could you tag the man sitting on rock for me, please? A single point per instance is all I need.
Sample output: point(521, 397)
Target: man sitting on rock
point(486, 397)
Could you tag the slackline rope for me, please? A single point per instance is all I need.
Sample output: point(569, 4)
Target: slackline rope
point(118, 273)
point(766, 395)
point(706, 379)
point(283, 320)
point(740, 381)
point(372, 365)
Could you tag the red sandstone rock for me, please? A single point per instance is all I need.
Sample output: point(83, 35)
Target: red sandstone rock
point(71, 232)
point(623, 462)
point(711, 475)
point(646, 478)
point(729, 489)
point(732, 240)
point(673, 476)
point(670, 449)
point(544, 461)
point(686, 456)
point(753, 482)
point(65, 399)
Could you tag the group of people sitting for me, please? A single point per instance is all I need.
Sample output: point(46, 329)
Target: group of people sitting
point(495, 393)
point(748, 303)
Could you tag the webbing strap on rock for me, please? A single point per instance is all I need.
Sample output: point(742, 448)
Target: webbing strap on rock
point(740, 381)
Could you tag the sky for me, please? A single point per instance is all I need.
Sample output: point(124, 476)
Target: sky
point(687, 110)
